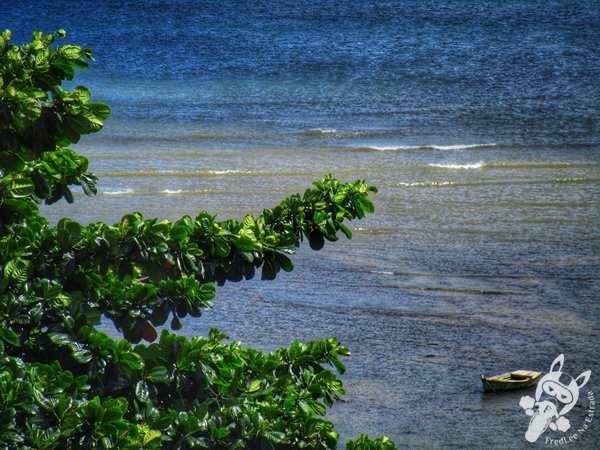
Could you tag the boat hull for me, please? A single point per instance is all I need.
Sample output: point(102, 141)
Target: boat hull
point(520, 379)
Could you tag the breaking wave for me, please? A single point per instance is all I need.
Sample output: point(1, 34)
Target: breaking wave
point(509, 166)
point(123, 192)
point(333, 133)
point(443, 184)
point(131, 192)
point(177, 173)
point(401, 148)
point(459, 166)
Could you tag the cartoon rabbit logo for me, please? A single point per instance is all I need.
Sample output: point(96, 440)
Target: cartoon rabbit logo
point(555, 395)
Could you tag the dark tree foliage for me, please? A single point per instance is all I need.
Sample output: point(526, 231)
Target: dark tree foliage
point(63, 383)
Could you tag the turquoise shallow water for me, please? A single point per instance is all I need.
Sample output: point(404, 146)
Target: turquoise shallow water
point(477, 121)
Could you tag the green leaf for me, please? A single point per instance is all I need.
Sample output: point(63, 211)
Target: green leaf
point(18, 270)
point(346, 230)
point(269, 270)
point(182, 229)
point(67, 194)
point(366, 204)
point(9, 336)
point(318, 407)
point(150, 436)
point(25, 207)
point(218, 433)
point(284, 262)
point(158, 374)
point(68, 233)
point(244, 244)
point(221, 247)
point(88, 183)
point(82, 93)
point(80, 354)
point(71, 51)
point(316, 240)
point(78, 351)
point(304, 406)
point(248, 222)
point(339, 365)
point(60, 338)
point(132, 360)
point(20, 188)
point(100, 110)
point(42, 187)
point(274, 436)
point(254, 386)
point(176, 323)
point(141, 391)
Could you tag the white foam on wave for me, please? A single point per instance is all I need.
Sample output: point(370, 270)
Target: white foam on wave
point(123, 192)
point(177, 173)
point(399, 148)
point(321, 132)
point(428, 184)
point(228, 172)
point(162, 192)
point(478, 165)
point(396, 148)
point(386, 148)
point(461, 147)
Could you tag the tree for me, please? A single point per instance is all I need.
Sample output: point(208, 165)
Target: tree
point(63, 383)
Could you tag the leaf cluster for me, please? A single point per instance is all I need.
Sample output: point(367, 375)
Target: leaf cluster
point(174, 393)
point(38, 120)
point(64, 383)
point(139, 273)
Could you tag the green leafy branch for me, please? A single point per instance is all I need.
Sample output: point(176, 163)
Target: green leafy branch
point(38, 119)
point(140, 271)
point(175, 393)
point(63, 383)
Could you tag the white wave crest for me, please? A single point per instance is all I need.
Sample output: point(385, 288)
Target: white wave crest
point(478, 165)
point(227, 172)
point(123, 192)
point(461, 147)
point(396, 148)
point(321, 132)
point(400, 148)
point(428, 184)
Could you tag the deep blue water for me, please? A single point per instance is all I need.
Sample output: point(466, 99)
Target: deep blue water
point(478, 120)
point(470, 70)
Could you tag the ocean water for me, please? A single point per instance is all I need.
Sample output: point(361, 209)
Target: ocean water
point(479, 122)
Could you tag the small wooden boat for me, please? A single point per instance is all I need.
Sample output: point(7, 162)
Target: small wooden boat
point(518, 379)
